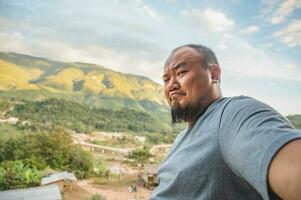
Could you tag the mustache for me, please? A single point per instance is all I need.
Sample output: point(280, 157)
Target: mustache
point(177, 93)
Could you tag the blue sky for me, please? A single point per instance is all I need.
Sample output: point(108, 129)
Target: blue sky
point(258, 43)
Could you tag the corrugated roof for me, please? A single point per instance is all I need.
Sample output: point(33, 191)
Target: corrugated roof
point(49, 192)
point(58, 177)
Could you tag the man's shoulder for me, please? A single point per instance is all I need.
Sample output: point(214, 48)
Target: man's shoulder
point(234, 103)
point(242, 107)
point(181, 134)
point(238, 103)
point(224, 101)
point(241, 98)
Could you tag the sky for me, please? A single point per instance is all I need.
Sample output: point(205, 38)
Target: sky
point(257, 43)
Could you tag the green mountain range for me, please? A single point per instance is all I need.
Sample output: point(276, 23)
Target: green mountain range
point(34, 78)
point(24, 77)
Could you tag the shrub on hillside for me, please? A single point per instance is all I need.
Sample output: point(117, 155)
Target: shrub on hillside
point(16, 174)
point(54, 149)
point(80, 162)
point(97, 197)
point(139, 155)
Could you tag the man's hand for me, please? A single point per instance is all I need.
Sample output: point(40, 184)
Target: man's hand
point(284, 174)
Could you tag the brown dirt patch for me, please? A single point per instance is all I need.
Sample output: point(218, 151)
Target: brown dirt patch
point(111, 190)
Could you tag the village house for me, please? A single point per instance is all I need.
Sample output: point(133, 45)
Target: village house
point(62, 179)
point(49, 192)
point(150, 175)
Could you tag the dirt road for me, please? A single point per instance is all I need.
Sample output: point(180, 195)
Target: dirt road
point(83, 190)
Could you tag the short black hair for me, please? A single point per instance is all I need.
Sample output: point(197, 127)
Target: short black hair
point(208, 55)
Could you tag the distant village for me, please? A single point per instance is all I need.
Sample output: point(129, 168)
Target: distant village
point(56, 184)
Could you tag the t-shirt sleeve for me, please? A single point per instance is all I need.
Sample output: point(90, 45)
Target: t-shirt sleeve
point(250, 134)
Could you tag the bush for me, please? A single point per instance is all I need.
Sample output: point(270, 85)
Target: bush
point(80, 162)
point(102, 170)
point(140, 155)
point(97, 197)
point(16, 174)
point(48, 149)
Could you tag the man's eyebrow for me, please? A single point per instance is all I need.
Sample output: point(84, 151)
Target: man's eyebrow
point(181, 64)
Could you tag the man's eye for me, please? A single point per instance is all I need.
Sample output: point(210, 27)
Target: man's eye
point(181, 73)
point(166, 80)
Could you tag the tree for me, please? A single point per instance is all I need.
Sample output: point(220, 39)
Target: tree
point(80, 161)
point(140, 155)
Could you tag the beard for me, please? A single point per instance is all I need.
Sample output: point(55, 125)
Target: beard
point(188, 113)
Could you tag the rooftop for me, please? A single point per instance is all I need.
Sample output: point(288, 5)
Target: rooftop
point(58, 177)
point(49, 192)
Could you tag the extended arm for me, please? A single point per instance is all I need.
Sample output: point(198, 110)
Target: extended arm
point(284, 174)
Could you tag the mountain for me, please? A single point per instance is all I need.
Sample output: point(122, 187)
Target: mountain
point(35, 78)
point(296, 120)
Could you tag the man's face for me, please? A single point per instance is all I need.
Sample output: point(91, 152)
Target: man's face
point(187, 83)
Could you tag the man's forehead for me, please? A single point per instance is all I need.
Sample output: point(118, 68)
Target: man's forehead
point(181, 55)
point(186, 51)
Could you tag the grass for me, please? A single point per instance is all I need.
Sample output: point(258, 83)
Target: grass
point(16, 77)
point(97, 197)
point(4, 105)
point(8, 131)
point(115, 181)
point(123, 142)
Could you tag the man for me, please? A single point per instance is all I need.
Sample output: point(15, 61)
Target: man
point(233, 148)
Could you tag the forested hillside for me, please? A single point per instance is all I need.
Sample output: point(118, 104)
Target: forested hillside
point(54, 113)
point(296, 120)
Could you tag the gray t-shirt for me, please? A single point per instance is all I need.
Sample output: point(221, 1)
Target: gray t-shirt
point(226, 154)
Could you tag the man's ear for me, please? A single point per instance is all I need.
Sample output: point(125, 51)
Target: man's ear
point(215, 72)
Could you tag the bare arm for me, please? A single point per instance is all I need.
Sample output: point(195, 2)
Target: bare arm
point(284, 174)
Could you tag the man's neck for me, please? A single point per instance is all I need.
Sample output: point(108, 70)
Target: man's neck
point(193, 121)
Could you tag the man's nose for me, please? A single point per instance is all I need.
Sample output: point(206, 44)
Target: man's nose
point(173, 84)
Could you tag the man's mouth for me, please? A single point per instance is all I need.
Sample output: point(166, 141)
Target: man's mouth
point(175, 95)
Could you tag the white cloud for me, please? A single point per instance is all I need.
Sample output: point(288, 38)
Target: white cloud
point(126, 48)
point(215, 21)
point(171, 1)
point(250, 30)
point(272, 84)
point(13, 42)
point(222, 45)
point(126, 62)
point(291, 66)
point(242, 59)
point(152, 13)
point(291, 35)
point(278, 11)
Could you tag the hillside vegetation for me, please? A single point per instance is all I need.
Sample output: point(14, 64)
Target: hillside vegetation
point(54, 113)
point(296, 120)
point(25, 156)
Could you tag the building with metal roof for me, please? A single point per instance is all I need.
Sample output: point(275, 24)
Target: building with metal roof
point(49, 192)
point(62, 176)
